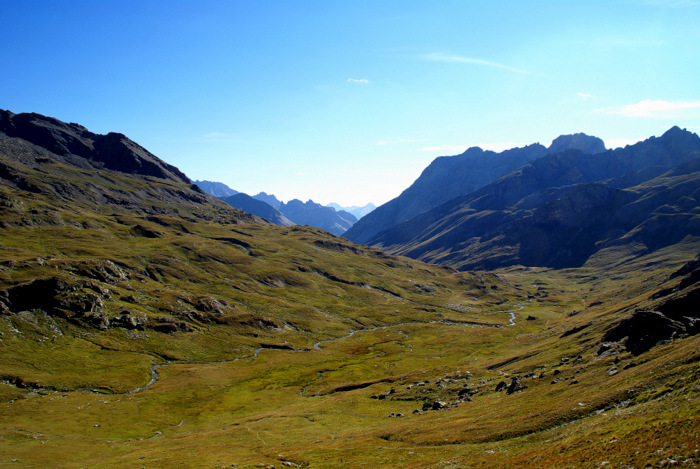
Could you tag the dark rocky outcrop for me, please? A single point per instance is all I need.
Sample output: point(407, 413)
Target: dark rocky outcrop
point(515, 386)
point(676, 314)
point(74, 144)
point(643, 330)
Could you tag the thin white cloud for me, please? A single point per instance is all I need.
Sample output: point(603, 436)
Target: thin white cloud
point(584, 96)
point(401, 141)
point(361, 81)
point(659, 109)
point(217, 135)
point(440, 57)
point(220, 137)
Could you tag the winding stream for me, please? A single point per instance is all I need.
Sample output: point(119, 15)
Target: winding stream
point(316, 346)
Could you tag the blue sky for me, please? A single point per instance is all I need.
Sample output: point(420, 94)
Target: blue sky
point(348, 101)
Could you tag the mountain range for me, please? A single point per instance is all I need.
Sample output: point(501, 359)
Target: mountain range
point(449, 177)
point(294, 212)
point(356, 210)
point(146, 323)
point(560, 209)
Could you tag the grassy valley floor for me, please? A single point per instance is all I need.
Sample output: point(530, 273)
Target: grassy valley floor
point(421, 393)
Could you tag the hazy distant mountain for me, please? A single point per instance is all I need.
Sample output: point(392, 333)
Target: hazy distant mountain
point(269, 199)
point(313, 214)
point(258, 208)
point(558, 210)
point(295, 212)
point(356, 210)
point(448, 177)
point(217, 189)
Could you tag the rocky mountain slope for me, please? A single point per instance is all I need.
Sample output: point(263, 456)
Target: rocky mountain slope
point(559, 210)
point(449, 177)
point(73, 144)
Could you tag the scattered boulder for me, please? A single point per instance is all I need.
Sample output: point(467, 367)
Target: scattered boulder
point(466, 391)
point(384, 395)
point(501, 386)
point(515, 386)
point(438, 405)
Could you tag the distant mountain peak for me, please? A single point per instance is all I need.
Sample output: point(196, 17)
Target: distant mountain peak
point(269, 199)
point(473, 151)
point(217, 189)
point(579, 141)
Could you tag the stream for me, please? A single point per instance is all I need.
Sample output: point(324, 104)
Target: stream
point(316, 346)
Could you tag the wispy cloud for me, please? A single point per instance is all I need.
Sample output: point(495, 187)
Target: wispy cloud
point(449, 58)
point(361, 81)
point(401, 141)
point(220, 136)
point(659, 109)
point(584, 96)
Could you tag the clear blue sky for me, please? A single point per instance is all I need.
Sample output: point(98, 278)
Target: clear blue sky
point(348, 101)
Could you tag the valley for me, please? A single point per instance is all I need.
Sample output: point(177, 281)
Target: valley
point(144, 323)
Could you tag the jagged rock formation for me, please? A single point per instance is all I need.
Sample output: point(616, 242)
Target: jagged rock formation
point(269, 199)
